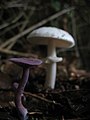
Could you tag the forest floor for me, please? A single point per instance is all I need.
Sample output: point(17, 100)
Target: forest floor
point(70, 100)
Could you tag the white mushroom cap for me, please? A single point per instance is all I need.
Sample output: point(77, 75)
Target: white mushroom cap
point(62, 38)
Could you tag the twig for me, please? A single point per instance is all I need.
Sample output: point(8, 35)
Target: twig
point(67, 91)
point(11, 27)
point(74, 32)
point(27, 20)
point(18, 17)
point(11, 45)
point(35, 26)
point(87, 118)
point(11, 52)
point(41, 98)
point(12, 22)
point(15, 5)
point(21, 29)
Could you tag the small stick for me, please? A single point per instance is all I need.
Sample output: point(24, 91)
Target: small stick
point(42, 98)
point(11, 52)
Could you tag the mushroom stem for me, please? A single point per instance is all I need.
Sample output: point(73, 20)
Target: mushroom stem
point(51, 48)
point(51, 68)
point(51, 76)
point(22, 111)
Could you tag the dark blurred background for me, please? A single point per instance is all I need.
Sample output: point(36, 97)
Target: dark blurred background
point(19, 17)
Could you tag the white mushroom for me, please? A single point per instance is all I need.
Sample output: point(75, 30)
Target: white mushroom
point(52, 37)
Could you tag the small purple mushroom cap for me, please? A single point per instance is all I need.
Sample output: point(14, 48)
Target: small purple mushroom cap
point(26, 61)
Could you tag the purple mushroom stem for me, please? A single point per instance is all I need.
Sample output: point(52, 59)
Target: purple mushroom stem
point(15, 86)
point(26, 63)
point(19, 94)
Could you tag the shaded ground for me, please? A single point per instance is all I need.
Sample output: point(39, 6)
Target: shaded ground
point(69, 101)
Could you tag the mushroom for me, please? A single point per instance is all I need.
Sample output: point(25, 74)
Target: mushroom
point(54, 38)
point(26, 63)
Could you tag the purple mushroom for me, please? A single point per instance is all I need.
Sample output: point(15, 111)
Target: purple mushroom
point(26, 63)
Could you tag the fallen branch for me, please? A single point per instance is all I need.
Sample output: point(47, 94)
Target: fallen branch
point(11, 52)
point(3, 32)
point(86, 118)
point(12, 22)
point(42, 98)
